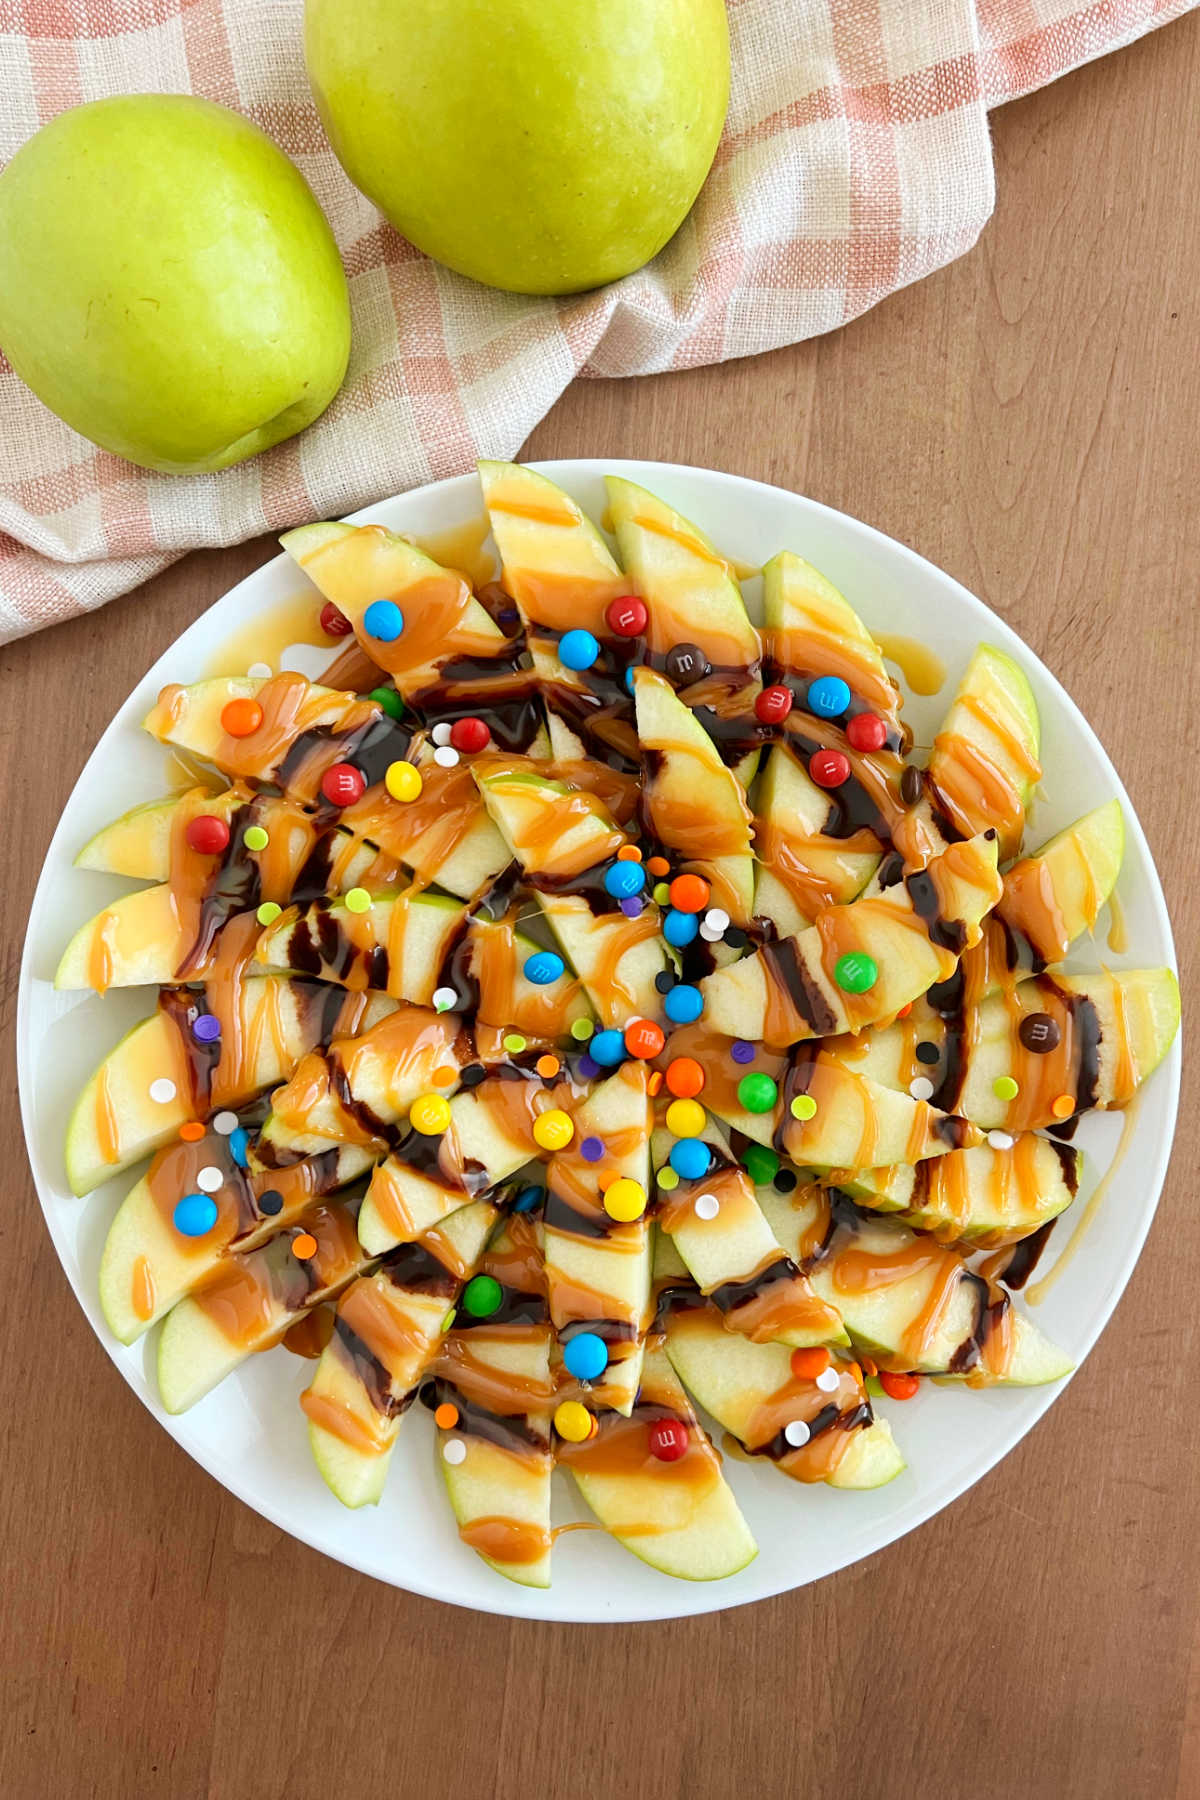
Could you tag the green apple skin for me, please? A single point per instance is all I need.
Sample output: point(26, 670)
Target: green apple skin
point(168, 284)
point(544, 149)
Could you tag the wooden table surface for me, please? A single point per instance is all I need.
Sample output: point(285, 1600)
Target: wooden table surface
point(1026, 419)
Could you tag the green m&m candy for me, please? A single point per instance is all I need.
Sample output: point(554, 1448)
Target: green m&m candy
point(761, 1164)
point(856, 972)
point(757, 1093)
point(389, 700)
point(482, 1296)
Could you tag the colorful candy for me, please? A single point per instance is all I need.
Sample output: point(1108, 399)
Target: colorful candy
point(304, 1246)
point(241, 718)
point(679, 928)
point(760, 1163)
point(829, 768)
point(773, 705)
point(607, 1048)
point(625, 1199)
point(644, 1038)
point(684, 1004)
point(585, 1356)
point(624, 879)
point(207, 834)
point(543, 967)
point(334, 622)
point(342, 784)
point(856, 972)
point(690, 1158)
point(1039, 1032)
point(667, 1439)
point(403, 781)
point(866, 731)
point(898, 1387)
point(757, 1093)
point(553, 1130)
point(689, 893)
point(573, 1422)
point(388, 700)
point(430, 1114)
point(627, 615)
point(195, 1215)
point(358, 900)
point(828, 697)
point(482, 1296)
point(808, 1363)
point(578, 649)
point(686, 663)
point(706, 1206)
point(685, 1077)
point(470, 736)
point(686, 1118)
point(383, 621)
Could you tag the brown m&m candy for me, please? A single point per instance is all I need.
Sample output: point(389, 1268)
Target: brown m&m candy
point(1039, 1033)
point(910, 786)
point(687, 663)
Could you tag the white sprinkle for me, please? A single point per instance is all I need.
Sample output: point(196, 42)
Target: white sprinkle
point(797, 1433)
point(446, 757)
point(706, 1206)
point(441, 734)
point(1001, 1140)
point(224, 1123)
point(921, 1088)
point(718, 919)
point(444, 998)
point(209, 1179)
point(454, 1450)
point(259, 671)
point(710, 934)
point(162, 1090)
point(827, 1380)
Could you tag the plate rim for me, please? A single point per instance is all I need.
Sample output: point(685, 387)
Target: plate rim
point(702, 1597)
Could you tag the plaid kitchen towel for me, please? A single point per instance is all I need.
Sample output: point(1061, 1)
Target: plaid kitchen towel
point(855, 160)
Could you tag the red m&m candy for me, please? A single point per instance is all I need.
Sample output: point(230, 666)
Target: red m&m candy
point(829, 768)
point(774, 704)
point(866, 731)
point(334, 622)
point(207, 834)
point(668, 1439)
point(469, 736)
point(627, 615)
point(343, 784)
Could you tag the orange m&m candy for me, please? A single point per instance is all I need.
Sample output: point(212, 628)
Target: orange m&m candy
point(241, 718)
point(685, 1077)
point(808, 1364)
point(644, 1038)
point(898, 1387)
point(689, 893)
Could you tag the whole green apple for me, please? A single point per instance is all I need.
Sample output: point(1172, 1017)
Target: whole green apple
point(539, 147)
point(168, 284)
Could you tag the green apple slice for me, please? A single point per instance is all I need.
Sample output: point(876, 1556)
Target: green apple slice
point(388, 1328)
point(250, 1305)
point(980, 1197)
point(597, 1270)
point(792, 989)
point(562, 576)
point(138, 844)
point(695, 806)
point(679, 1516)
point(1053, 897)
point(750, 1389)
point(271, 1024)
point(353, 565)
point(812, 630)
point(555, 831)
point(395, 944)
point(984, 765)
point(909, 1301)
point(724, 1240)
point(800, 867)
point(147, 1265)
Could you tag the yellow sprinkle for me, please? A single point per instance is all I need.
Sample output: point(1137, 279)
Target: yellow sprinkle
point(514, 1043)
point(256, 838)
point(573, 1422)
point(358, 900)
point(662, 892)
point(1005, 1088)
point(429, 1114)
point(268, 912)
point(804, 1107)
point(686, 1118)
point(1063, 1107)
point(667, 1178)
point(624, 1199)
point(402, 781)
point(553, 1130)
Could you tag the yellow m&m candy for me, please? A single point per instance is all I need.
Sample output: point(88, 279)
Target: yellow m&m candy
point(402, 781)
point(624, 1199)
point(573, 1422)
point(685, 1118)
point(429, 1114)
point(553, 1130)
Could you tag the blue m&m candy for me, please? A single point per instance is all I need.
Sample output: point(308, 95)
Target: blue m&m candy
point(684, 1004)
point(528, 1198)
point(578, 649)
point(629, 676)
point(586, 1356)
point(383, 620)
point(195, 1215)
point(607, 1048)
point(543, 967)
point(690, 1158)
point(624, 879)
point(239, 1146)
point(828, 696)
point(679, 928)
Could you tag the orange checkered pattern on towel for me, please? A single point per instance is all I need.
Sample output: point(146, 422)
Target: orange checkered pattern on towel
point(855, 160)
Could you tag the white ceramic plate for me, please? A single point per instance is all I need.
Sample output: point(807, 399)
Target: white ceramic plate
point(249, 1433)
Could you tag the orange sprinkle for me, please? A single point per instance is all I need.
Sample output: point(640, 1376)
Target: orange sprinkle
point(1063, 1107)
point(241, 718)
point(904, 1011)
point(855, 1373)
point(445, 1415)
point(689, 893)
point(605, 1180)
point(547, 1067)
point(304, 1245)
point(685, 1077)
point(192, 1132)
point(870, 1366)
point(644, 1038)
point(446, 1076)
point(654, 1085)
point(658, 865)
point(808, 1364)
point(629, 853)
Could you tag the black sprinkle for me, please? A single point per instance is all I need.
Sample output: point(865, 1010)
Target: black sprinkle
point(664, 981)
point(927, 1053)
point(784, 1182)
point(472, 1075)
point(270, 1202)
point(736, 938)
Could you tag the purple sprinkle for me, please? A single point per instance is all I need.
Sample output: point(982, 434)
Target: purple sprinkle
point(588, 1067)
point(592, 1149)
point(632, 908)
point(741, 1051)
point(206, 1029)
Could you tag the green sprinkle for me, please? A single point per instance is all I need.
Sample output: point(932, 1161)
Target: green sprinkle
point(662, 892)
point(1005, 1088)
point(667, 1178)
point(856, 972)
point(358, 900)
point(804, 1107)
point(514, 1042)
point(757, 1093)
point(761, 1164)
point(482, 1296)
point(268, 912)
point(449, 1319)
point(389, 700)
point(255, 838)
point(582, 1030)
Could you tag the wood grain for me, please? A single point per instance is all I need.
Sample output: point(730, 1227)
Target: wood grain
point(1027, 420)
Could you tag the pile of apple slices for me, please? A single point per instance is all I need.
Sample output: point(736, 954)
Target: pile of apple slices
point(580, 1002)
